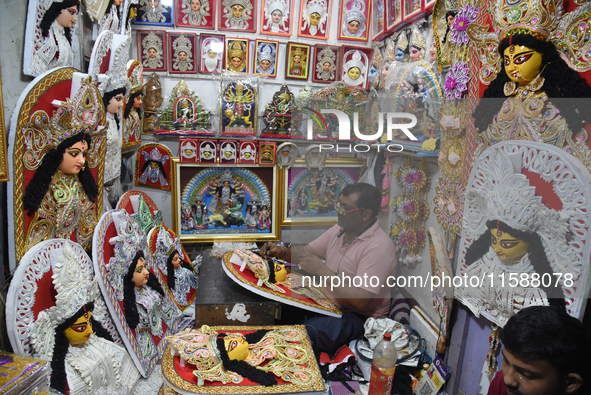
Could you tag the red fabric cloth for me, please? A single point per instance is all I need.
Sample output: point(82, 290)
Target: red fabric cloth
point(497, 385)
point(371, 254)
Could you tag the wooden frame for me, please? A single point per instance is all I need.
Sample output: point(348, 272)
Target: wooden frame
point(202, 18)
point(265, 50)
point(354, 11)
point(323, 9)
point(247, 16)
point(393, 15)
point(297, 69)
point(214, 43)
point(273, 24)
point(4, 175)
point(298, 177)
point(179, 42)
point(194, 179)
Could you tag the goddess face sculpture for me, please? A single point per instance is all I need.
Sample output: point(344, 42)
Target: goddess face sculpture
point(508, 248)
point(115, 104)
point(80, 331)
point(68, 17)
point(195, 12)
point(74, 158)
point(522, 64)
point(140, 274)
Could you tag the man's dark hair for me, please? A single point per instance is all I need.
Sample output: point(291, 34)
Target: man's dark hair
point(368, 196)
point(550, 334)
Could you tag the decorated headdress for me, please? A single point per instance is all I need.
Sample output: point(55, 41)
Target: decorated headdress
point(356, 61)
point(266, 53)
point(390, 52)
point(317, 6)
point(83, 113)
point(228, 146)
point(327, 55)
point(257, 264)
point(226, 176)
point(402, 42)
point(247, 148)
point(207, 146)
point(298, 51)
point(416, 38)
point(131, 239)
point(243, 3)
point(116, 76)
point(75, 287)
point(183, 44)
point(237, 50)
point(355, 13)
point(280, 5)
point(189, 145)
point(152, 41)
point(135, 73)
point(166, 244)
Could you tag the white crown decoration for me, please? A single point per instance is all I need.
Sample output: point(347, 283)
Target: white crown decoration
point(207, 147)
point(266, 53)
point(227, 176)
point(317, 6)
point(116, 77)
point(183, 44)
point(247, 149)
point(228, 147)
point(326, 55)
point(152, 41)
point(277, 5)
point(165, 245)
point(189, 145)
point(355, 61)
point(75, 286)
point(131, 239)
point(355, 13)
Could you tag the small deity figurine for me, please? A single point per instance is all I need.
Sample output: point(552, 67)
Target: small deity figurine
point(302, 201)
point(240, 105)
point(132, 122)
point(233, 214)
point(276, 17)
point(264, 217)
point(237, 53)
point(252, 213)
point(323, 198)
point(152, 51)
point(355, 69)
point(84, 358)
point(297, 62)
point(326, 67)
point(417, 45)
point(278, 113)
point(230, 357)
point(182, 54)
point(314, 18)
point(237, 14)
point(199, 213)
point(153, 11)
point(54, 29)
point(354, 20)
point(402, 47)
point(187, 218)
point(61, 196)
point(181, 276)
point(195, 12)
point(153, 98)
point(266, 59)
point(223, 190)
point(153, 168)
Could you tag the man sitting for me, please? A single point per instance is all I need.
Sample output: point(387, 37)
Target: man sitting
point(355, 248)
point(546, 351)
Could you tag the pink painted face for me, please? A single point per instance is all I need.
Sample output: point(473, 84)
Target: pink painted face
point(353, 27)
point(115, 104)
point(265, 64)
point(68, 17)
point(152, 53)
point(74, 158)
point(176, 261)
point(276, 16)
point(415, 54)
point(117, 2)
point(140, 274)
point(182, 55)
point(137, 101)
point(195, 5)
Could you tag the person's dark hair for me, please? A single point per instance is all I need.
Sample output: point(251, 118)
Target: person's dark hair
point(53, 12)
point(543, 333)
point(271, 269)
point(537, 257)
point(368, 196)
point(129, 104)
point(170, 269)
point(242, 367)
point(129, 305)
point(562, 85)
point(61, 346)
point(109, 95)
point(39, 184)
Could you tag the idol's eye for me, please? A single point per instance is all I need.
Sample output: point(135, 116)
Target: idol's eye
point(523, 58)
point(79, 328)
point(494, 240)
point(507, 244)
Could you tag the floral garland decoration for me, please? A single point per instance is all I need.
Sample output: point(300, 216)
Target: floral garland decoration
point(465, 17)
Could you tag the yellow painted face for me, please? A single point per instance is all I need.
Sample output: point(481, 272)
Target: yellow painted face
point(314, 19)
point(237, 347)
point(79, 333)
point(522, 64)
point(354, 73)
point(507, 247)
point(280, 272)
point(237, 11)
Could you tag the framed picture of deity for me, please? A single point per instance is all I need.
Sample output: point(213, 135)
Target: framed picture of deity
point(277, 17)
point(151, 49)
point(297, 61)
point(198, 14)
point(327, 64)
point(378, 19)
point(183, 53)
point(393, 15)
point(155, 12)
point(356, 65)
point(308, 196)
point(411, 10)
point(354, 20)
point(212, 54)
point(238, 15)
point(314, 21)
point(237, 54)
point(225, 203)
point(238, 106)
point(265, 58)
point(428, 5)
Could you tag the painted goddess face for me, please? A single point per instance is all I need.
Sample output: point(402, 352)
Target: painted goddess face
point(353, 26)
point(195, 5)
point(74, 158)
point(212, 54)
point(276, 16)
point(117, 2)
point(297, 59)
point(80, 331)
point(182, 55)
point(236, 62)
point(152, 53)
point(115, 104)
point(176, 261)
point(507, 247)
point(265, 64)
point(354, 73)
point(140, 274)
point(237, 11)
point(280, 272)
point(415, 54)
point(237, 347)
point(314, 19)
point(68, 17)
point(522, 64)
point(399, 55)
point(137, 101)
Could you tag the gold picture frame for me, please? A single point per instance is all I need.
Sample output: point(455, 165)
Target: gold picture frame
point(4, 174)
point(191, 180)
point(318, 206)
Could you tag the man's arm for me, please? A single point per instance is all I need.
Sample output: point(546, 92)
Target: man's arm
point(289, 254)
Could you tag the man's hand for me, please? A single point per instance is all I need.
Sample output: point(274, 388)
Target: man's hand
point(272, 250)
point(314, 265)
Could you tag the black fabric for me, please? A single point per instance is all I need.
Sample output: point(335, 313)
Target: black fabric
point(328, 334)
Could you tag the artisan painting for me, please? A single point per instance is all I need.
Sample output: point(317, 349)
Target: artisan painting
point(225, 203)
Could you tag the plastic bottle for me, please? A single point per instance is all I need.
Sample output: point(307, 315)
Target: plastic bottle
point(383, 367)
